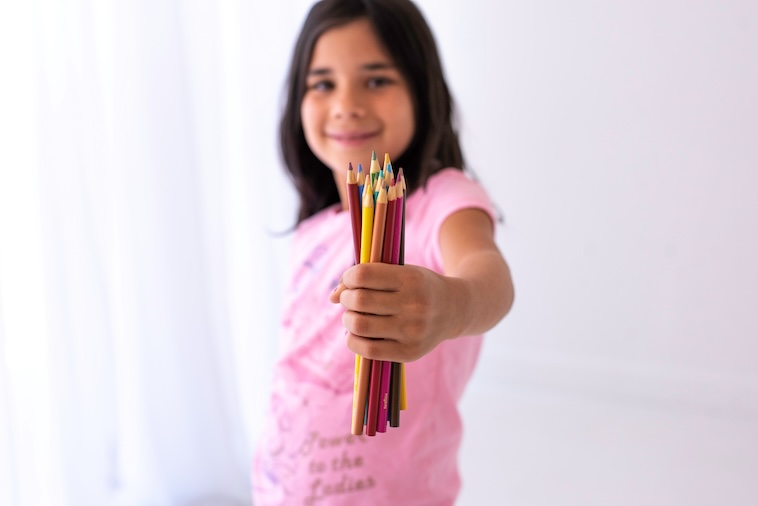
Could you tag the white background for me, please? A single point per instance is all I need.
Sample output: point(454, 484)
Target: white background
point(619, 139)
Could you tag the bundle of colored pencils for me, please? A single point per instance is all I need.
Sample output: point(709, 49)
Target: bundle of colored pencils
point(376, 202)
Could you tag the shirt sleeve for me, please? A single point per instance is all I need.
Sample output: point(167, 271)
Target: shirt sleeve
point(446, 193)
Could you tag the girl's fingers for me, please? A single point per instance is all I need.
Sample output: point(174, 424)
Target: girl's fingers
point(370, 301)
point(376, 276)
point(334, 297)
point(371, 325)
point(381, 349)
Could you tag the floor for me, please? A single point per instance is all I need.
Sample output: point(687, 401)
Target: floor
point(545, 447)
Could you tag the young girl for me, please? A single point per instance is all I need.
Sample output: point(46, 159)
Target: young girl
point(365, 76)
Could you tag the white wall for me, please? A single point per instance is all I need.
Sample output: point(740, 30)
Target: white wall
point(621, 141)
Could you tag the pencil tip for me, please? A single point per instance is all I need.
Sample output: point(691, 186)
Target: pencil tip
point(373, 154)
point(349, 165)
point(360, 167)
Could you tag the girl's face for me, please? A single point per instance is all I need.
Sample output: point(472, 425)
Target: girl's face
point(356, 100)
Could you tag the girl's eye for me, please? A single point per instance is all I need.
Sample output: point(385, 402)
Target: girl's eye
point(323, 85)
point(378, 82)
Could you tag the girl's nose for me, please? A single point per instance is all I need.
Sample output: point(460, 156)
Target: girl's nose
point(348, 103)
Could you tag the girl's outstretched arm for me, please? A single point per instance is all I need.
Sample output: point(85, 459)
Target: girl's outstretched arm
point(401, 313)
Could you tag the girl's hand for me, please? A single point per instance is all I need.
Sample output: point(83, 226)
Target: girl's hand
point(402, 312)
point(398, 312)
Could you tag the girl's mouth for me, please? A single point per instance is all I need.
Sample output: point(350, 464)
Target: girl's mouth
point(351, 139)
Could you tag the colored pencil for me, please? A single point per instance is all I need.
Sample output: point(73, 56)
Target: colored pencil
point(380, 217)
point(394, 400)
point(360, 178)
point(381, 380)
point(362, 364)
point(354, 208)
point(374, 169)
point(377, 186)
point(376, 202)
point(389, 177)
point(367, 226)
point(389, 228)
point(404, 190)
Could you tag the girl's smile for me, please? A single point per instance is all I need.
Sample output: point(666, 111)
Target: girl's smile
point(352, 139)
point(356, 99)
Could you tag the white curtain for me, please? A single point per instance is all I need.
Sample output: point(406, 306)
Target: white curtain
point(139, 189)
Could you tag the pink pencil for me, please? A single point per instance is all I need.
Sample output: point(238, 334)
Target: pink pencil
point(389, 228)
point(397, 227)
point(383, 378)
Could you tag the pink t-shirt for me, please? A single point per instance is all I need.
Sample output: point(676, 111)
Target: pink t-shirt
point(306, 455)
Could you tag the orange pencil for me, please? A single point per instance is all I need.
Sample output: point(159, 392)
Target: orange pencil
point(380, 216)
point(371, 379)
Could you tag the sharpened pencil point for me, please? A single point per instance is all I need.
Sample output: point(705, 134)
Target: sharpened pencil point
point(351, 178)
point(382, 198)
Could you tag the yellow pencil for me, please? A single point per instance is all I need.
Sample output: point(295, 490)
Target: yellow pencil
point(401, 180)
point(367, 225)
point(363, 365)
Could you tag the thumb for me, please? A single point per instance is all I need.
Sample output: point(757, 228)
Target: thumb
point(334, 297)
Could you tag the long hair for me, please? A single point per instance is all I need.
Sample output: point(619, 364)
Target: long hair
point(403, 31)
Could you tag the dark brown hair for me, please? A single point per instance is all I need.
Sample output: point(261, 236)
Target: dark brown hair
point(407, 37)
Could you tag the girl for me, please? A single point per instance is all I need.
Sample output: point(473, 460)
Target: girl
point(365, 75)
